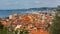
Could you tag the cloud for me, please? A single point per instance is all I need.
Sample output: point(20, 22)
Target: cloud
point(37, 2)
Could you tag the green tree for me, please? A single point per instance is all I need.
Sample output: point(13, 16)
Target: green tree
point(55, 26)
point(1, 26)
point(4, 31)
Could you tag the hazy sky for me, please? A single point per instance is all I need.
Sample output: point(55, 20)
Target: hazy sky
point(19, 4)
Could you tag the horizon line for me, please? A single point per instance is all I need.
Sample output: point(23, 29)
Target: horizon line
point(27, 8)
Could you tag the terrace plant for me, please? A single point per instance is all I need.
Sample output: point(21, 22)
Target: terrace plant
point(22, 31)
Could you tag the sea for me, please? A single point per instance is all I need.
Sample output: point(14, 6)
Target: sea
point(6, 13)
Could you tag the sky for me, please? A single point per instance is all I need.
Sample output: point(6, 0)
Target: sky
point(24, 4)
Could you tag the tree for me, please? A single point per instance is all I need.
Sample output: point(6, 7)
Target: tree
point(55, 26)
point(1, 26)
